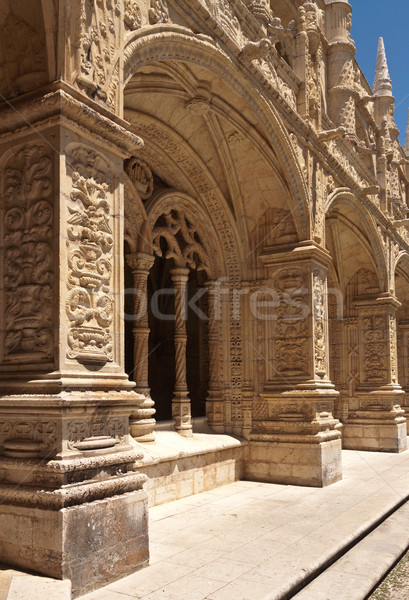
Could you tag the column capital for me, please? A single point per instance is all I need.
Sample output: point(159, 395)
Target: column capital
point(140, 261)
point(180, 274)
point(303, 251)
point(385, 300)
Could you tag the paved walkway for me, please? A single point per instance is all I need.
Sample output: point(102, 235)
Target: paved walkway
point(255, 541)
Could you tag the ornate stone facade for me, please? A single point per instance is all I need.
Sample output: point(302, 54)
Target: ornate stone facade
point(203, 213)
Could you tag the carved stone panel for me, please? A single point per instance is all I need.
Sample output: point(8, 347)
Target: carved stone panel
point(27, 255)
point(89, 301)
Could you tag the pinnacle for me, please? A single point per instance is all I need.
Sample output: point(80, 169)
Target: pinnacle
point(382, 84)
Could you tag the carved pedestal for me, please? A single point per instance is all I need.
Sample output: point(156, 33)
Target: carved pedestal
point(376, 421)
point(295, 438)
point(71, 505)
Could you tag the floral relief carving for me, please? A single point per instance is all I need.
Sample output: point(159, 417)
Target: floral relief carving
point(28, 255)
point(320, 342)
point(89, 304)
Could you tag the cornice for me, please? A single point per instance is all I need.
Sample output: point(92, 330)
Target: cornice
point(60, 102)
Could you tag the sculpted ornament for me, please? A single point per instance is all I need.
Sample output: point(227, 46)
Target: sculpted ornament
point(28, 255)
point(132, 15)
point(183, 242)
point(98, 43)
point(290, 338)
point(89, 305)
point(158, 12)
point(319, 323)
point(141, 176)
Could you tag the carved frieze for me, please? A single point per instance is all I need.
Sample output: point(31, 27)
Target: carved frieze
point(89, 303)
point(28, 255)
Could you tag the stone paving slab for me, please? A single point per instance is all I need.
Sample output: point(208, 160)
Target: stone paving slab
point(355, 574)
point(17, 585)
point(258, 541)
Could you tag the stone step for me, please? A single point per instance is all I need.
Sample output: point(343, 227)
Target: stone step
point(17, 585)
point(357, 572)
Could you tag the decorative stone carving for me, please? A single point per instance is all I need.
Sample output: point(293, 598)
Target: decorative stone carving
point(141, 176)
point(183, 242)
point(320, 323)
point(158, 12)
point(28, 255)
point(98, 40)
point(132, 15)
point(89, 305)
point(291, 333)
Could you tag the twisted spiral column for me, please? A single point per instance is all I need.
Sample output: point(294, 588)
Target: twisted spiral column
point(181, 410)
point(141, 422)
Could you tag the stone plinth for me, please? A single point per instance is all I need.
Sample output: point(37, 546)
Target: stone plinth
point(291, 463)
point(90, 544)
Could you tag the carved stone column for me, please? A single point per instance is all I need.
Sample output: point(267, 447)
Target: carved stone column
point(214, 401)
point(376, 420)
point(141, 422)
point(295, 438)
point(181, 410)
point(67, 483)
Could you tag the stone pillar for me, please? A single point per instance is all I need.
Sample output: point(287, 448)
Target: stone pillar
point(376, 420)
point(141, 422)
point(296, 440)
point(71, 505)
point(341, 70)
point(214, 401)
point(181, 411)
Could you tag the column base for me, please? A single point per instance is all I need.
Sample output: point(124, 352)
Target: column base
point(374, 436)
point(91, 544)
point(291, 463)
point(378, 424)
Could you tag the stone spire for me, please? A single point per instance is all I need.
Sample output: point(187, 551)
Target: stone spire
point(382, 85)
point(407, 137)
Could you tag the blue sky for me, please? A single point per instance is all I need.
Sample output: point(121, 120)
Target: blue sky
point(389, 19)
